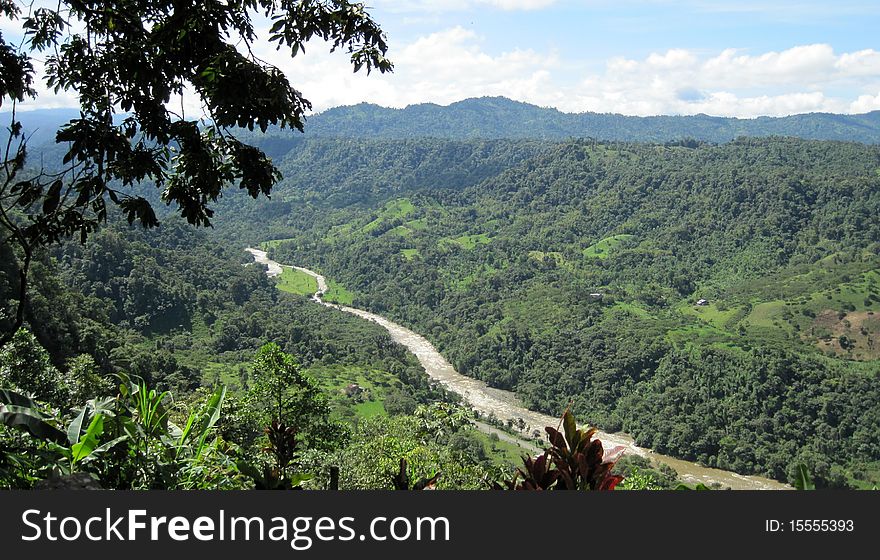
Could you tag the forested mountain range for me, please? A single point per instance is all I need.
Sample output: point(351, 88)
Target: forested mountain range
point(502, 118)
point(499, 117)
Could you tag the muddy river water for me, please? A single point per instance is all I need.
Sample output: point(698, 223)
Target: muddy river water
point(505, 405)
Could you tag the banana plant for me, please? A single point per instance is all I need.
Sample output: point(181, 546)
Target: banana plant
point(148, 408)
point(70, 448)
point(83, 445)
point(20, 412)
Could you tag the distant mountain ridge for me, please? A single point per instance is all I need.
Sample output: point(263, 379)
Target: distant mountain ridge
point(499, 117)
point(502, 118)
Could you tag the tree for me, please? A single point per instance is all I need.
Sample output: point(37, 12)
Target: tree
point(127, 61)
point(25, 365)
point(280, 392)
point(399, 402)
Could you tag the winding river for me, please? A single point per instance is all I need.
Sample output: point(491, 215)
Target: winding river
point(504, 404)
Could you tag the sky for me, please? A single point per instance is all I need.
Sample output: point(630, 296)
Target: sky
point(636, 57)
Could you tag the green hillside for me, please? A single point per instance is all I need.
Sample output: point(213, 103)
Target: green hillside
point(575, 272)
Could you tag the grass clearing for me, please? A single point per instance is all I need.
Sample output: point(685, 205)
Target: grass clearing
point(370, 409)
point(295, 281)
point(417, 225)
point(227, 374)
point(501, 450)
point(337, 293)
point(410, 254)
point(711, 314)
point(396, 209)
point(634, 308)
point(339, 232)
point(468, 242)
point(271, 244)
point(368, 401)
point(554, 256)
point(606, 247)
point(402, 231)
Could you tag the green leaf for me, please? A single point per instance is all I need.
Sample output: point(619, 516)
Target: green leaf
point(31, 421)
point(297, 479)
point(199, 424)
point(802, 480)
point(75, 427)
point(89, 441)
point(211, 416)
point(570, 427)
point(105, 447)
point(17, 399)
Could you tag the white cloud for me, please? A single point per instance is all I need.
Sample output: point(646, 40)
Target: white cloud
point(865, 103)
point(441, 68)
point(455, 63)
point(732, 83)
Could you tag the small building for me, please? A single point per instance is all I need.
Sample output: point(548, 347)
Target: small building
point(702, 302)
point(596, 295)
point(353, 390)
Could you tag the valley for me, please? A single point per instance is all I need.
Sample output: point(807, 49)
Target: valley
point(573, 274)
point(717, 303)
point(504, 405)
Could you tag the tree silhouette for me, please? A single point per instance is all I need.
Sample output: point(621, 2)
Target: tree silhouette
point(128, 61)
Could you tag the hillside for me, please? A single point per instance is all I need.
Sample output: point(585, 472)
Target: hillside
point(573, 272)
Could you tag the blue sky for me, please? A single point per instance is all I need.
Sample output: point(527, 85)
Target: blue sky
point(637, 28)
point(640, 57)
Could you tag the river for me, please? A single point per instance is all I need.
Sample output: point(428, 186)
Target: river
point(505, 405)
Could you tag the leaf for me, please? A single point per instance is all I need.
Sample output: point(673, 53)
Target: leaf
point(105, 447)
point(555, 438)
point(202, 421)
point(248, 470)
point(17, 399)
point(53, 198)
point(212, 413)
point(75, 427)
point(613, 454)
point(610, 482)
point(427, 483)
point(89, 441)
point(27, 419)
point(570, 427)
point(802, 480)
point(296, 480)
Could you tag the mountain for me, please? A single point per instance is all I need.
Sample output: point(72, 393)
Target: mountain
point(499, 117)
point(38, 125)
point(502, 118)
